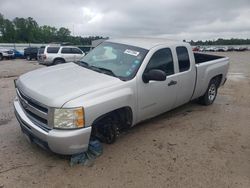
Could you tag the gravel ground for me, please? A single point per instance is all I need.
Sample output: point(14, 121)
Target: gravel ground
point(191, 146)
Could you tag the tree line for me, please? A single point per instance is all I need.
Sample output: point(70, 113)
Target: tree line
point(27, 30)
point(220, 41)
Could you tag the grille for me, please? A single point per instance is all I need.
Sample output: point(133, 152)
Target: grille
point(37, 112)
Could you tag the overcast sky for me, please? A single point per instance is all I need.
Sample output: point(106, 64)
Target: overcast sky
point(178, 19)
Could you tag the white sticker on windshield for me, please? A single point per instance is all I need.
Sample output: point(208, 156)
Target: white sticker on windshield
point(131, 52)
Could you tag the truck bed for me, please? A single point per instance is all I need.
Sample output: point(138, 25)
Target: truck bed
point(202, 58)
point(208, 66)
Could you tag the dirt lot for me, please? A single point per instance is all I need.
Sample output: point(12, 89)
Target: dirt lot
point(192, 146)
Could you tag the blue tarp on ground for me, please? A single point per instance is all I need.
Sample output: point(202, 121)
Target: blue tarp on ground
point(87, 158)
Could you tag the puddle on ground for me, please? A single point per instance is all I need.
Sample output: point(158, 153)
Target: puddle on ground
point(236, 76)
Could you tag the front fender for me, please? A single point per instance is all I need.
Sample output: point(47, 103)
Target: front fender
point(100, 103)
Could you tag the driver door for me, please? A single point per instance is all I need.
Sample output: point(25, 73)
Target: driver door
point(157, 97)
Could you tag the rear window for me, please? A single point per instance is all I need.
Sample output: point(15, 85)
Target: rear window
point(66, 51)
point(52, 50)
point(183, 58)
point(41, 50)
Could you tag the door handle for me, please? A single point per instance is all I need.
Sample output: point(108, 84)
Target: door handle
point(172, 82)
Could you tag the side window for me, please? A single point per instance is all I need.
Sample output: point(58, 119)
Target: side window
point(34, 50)
point(52, 50)
point(183, 58)
point(66, 51)
point(76, 51)
point(163, 60)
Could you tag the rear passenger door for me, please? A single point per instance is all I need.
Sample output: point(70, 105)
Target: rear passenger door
point(157, 97)
point(67, 54)
point(78, 54)
point(186, 75)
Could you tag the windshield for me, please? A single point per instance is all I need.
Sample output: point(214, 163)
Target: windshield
point(119, 60)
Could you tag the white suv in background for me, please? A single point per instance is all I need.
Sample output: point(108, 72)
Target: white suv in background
point(52, 55)
point(7, 54)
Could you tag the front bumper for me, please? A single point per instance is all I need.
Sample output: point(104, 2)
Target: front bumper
point(66, 142)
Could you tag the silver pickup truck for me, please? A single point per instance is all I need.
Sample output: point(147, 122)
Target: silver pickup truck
point(118, 84)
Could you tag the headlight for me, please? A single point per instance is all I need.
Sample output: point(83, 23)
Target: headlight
point(69, 118)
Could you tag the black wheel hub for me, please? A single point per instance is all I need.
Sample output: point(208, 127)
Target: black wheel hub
point(107, 131)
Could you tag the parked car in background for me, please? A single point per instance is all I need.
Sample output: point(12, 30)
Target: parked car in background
point(31, 53)
point(211, 49)
point(221, 49)
point(54, 54)
point(6, 54)
point(240, 49)
point(18, 54)
point(196, 49)
point(230, 49)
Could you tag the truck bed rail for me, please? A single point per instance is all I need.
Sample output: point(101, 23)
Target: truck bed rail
point(202, 58)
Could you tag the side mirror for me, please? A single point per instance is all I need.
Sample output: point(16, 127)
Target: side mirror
point(154, 74)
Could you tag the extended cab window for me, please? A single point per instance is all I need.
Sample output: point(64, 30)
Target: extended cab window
point(163, 60)
point(66, 51)
point(183, 58)
point(52, 50)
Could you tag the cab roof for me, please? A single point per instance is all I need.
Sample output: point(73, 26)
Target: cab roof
point(146, 43)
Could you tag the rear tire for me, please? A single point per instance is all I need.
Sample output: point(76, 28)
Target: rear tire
point(211, 93)
point(1, 57)
point(58, 61)
point(28, 57)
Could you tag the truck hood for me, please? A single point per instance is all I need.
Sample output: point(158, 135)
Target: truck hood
point(54, 86)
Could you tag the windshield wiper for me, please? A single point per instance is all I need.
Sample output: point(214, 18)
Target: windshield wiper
point(98, 69)
point(104, 70)
point(83, 64)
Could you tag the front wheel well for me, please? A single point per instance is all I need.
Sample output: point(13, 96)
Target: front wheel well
point(108, 126)
point(124, 115)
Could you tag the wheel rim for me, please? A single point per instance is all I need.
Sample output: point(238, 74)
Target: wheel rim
point(212, 92)
point(109, 134)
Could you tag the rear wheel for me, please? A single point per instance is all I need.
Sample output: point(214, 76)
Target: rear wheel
point(58, 61)
point(1, 57)
point(28, 57)
point(210, 94)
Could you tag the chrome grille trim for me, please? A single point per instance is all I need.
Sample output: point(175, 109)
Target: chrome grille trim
point(38, 113)
point(38, 106)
